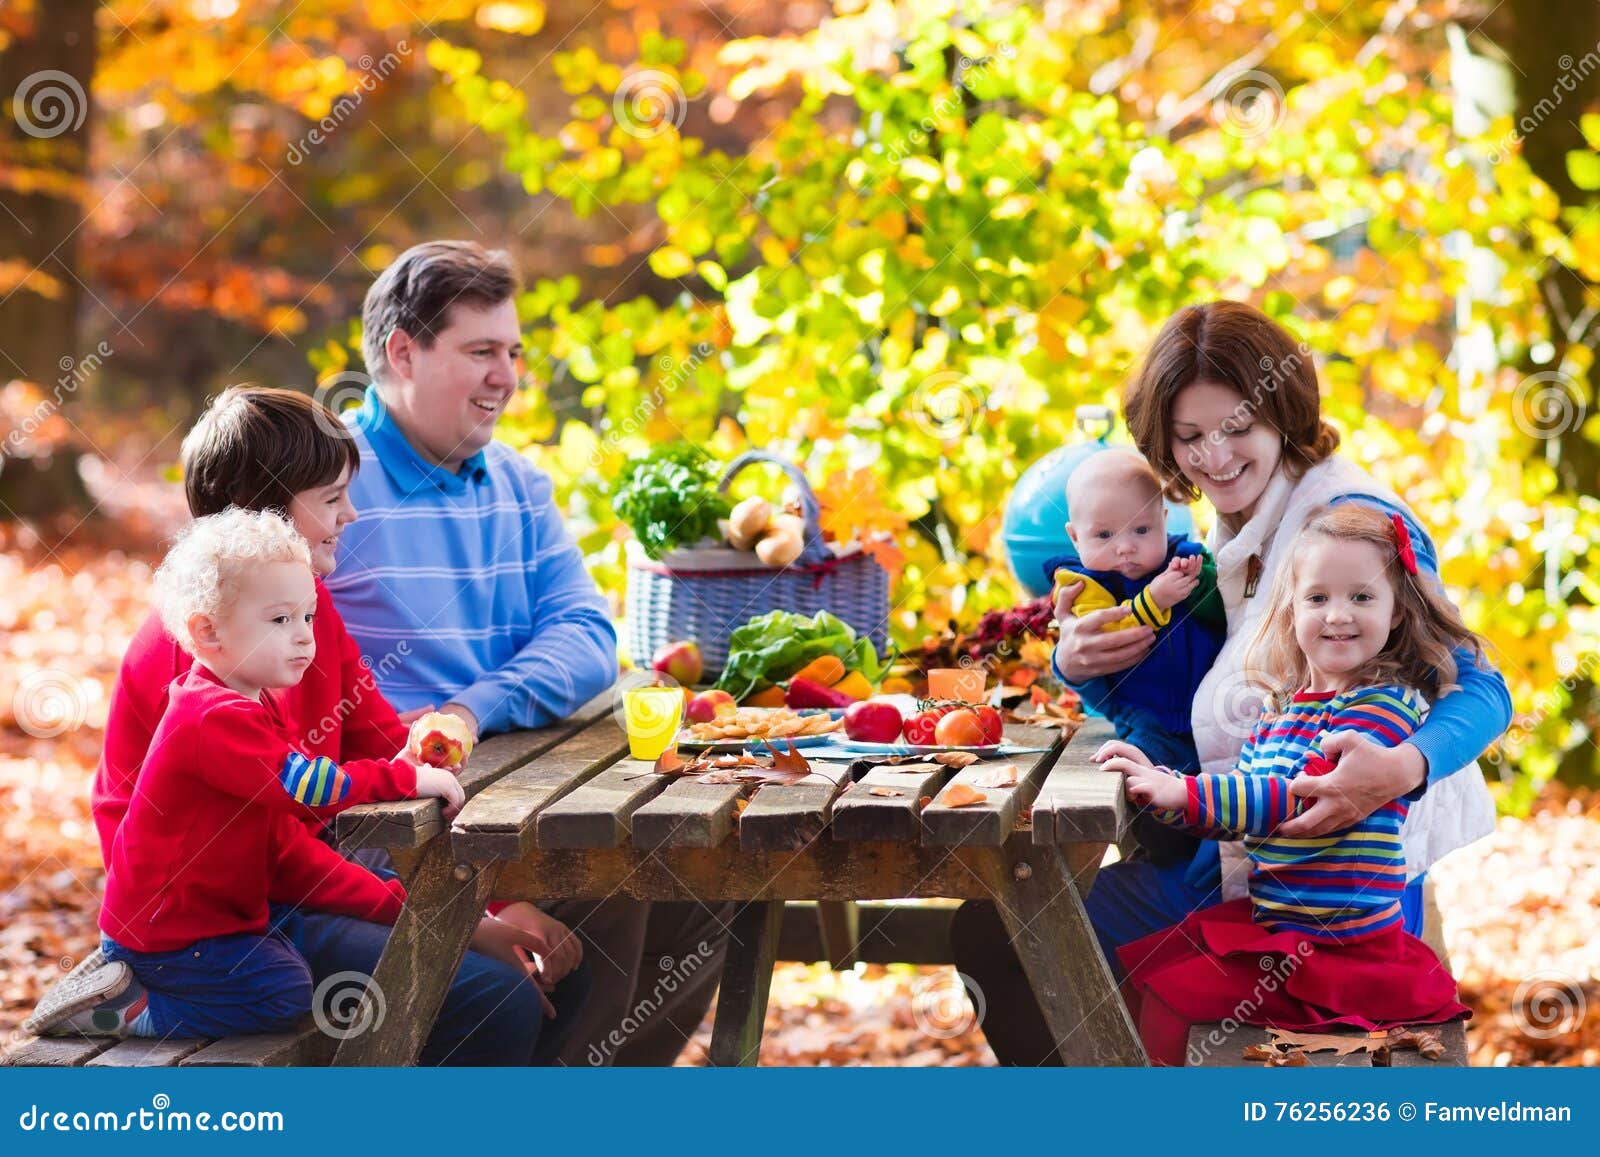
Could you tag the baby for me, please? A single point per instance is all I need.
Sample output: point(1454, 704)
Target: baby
point(1118, 525)
point(222, 817)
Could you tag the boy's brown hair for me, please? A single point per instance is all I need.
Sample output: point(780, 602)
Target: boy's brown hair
point(416, 292)
point(1419, 651)
point(1236, 345)
point(257, 447)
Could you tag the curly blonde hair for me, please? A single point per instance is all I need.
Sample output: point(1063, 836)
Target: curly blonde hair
point(201, 573)
point(1420, 649)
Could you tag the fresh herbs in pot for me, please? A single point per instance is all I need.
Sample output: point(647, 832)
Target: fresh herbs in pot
point(670, 498)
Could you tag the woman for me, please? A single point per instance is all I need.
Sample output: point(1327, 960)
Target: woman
point(1227, 406)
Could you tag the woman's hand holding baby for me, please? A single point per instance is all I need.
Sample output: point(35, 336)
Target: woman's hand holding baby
point(1087, 650)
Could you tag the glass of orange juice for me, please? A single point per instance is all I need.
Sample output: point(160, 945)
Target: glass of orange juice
point(653, 715)
point(964, 684)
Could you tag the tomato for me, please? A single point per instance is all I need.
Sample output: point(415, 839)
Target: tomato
point(920, 728)
point(960, 728)
point(994, 727)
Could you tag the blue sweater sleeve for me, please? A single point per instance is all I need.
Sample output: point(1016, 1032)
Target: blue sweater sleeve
point(1462, 724)
point(572, 656)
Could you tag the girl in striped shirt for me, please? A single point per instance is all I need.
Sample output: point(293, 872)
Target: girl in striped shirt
point(1354, 640)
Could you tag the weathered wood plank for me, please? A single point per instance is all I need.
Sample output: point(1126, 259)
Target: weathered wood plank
point(443, 905)
point(411, 823)
point(1071, 805)
point(498, 823)
point(304, 1047)
point(1044, 917)
point(746, 982)
point(827, 870)
point(56, 1052)
point(860, 815)
point(787, 818)
point(688, 815)
point(989, 823)
point(599, 812)
point(147, 1053)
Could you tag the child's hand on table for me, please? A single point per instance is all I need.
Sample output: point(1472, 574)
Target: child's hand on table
point(438, 783)
point(1154, 787)
point(1176, 583)
point(1115, 747)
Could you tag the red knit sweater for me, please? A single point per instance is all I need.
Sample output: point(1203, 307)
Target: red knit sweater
point(336, 711)
point(222, 823)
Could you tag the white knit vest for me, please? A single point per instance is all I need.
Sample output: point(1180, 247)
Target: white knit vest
point(1454, 811)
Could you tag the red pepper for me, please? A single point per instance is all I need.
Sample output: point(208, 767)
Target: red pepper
point(809, 693)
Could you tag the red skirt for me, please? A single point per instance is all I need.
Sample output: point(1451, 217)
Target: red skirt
point(1219, 965)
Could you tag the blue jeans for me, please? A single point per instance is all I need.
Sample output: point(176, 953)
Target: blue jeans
point(222, 985)
point(491, 1014)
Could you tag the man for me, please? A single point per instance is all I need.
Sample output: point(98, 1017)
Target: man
point(460, 563)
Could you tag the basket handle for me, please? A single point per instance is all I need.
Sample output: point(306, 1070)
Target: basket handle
point(813, 550)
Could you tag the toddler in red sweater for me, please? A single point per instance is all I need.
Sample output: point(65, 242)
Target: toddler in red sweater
point(217, 825)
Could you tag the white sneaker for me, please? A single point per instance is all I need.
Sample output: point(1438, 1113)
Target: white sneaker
point(93, 982)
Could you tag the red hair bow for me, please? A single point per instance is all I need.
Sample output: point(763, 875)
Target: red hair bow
point(1402, 536)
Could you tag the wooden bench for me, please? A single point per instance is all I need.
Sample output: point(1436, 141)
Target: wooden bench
point(1211, 1046)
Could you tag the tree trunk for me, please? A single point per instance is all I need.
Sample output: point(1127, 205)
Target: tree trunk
point(1554, 46)
point(45, 78)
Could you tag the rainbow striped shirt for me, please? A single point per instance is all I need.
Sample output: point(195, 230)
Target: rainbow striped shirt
point(1340, 886)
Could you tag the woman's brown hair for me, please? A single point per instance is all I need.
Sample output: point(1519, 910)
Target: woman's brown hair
point(1419, 651)
point(257, 447)
point(1234, 345)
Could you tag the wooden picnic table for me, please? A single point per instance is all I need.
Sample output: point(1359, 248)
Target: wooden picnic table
point(563, 813)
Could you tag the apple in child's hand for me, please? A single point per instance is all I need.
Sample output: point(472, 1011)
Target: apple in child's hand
point(680, 660)
point(708, 705)
point(873, 722)
point(440, 739)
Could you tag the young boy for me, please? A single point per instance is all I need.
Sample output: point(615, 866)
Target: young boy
point(260, 448)
point(217, 825)
point(1125, 557)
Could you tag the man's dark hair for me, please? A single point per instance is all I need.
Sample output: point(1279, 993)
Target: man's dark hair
point(258, 447)
point(416, 292)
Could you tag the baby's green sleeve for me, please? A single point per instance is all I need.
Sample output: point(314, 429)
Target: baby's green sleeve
point(1206, 600)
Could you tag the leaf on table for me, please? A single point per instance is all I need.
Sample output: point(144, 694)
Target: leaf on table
point(790, 760)
point(996, 775)
point(911, 768)
point(1259, 1052)
point(1292, 1059)
point(671, 763)
point(956, 758)
point(925, 801)
point(1316, 1042)
point(885, 791)
point(960, 795)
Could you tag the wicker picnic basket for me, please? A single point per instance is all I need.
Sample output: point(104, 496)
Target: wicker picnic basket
point(704, 593)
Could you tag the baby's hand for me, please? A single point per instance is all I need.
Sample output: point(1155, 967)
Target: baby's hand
point(1176, 583)
point(436, 782)
point(1154, 787)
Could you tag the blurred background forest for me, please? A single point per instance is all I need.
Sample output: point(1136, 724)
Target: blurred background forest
point(899, 242)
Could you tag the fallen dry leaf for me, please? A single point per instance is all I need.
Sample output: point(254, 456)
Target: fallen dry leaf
point(956, 758)
point(925, 801)
point(1316, 1042)
point(670, 762)
point(885, 791)
point(960, 795)
point(996, 775)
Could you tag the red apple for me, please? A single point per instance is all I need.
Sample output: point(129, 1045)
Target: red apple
point(682, 661)
point(440, 739)
point(873, 722)
point(707, 705)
